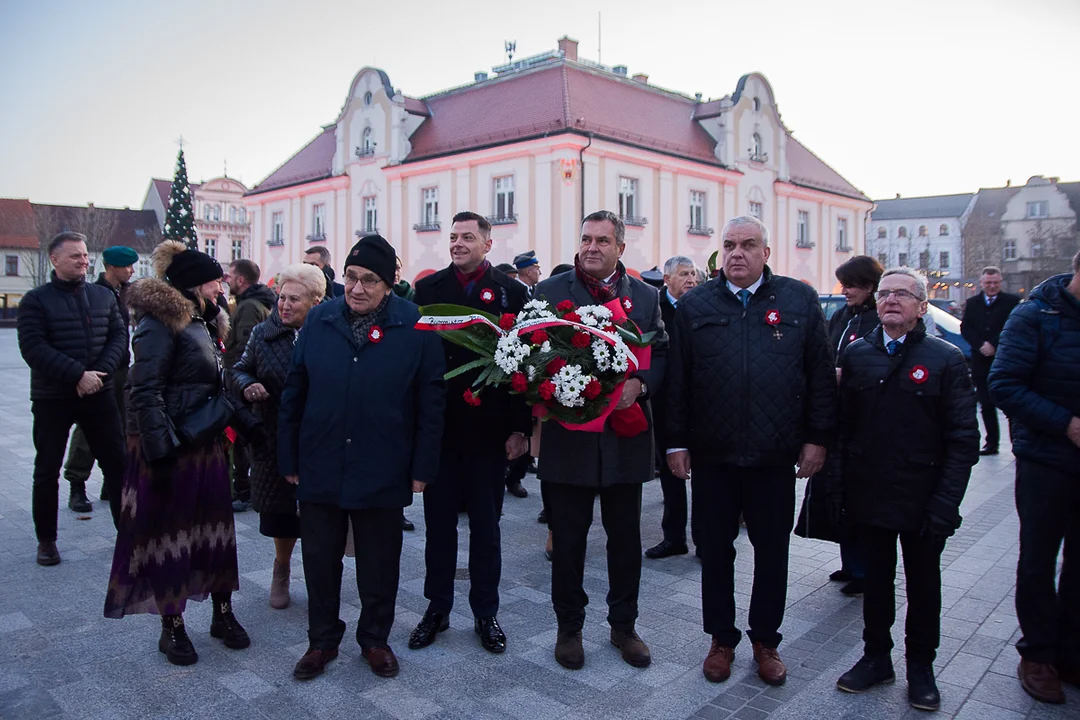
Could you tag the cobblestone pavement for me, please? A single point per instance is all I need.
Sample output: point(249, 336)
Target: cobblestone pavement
point(59, 658)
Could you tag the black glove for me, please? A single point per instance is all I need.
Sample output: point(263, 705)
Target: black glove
point(161, 475)
point(936, 528)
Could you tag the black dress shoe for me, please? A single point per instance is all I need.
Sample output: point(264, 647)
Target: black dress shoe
point(429, 626)
point(406, 524)
point(542, 517)
point(78, 502)
point(313, 663)
point(666, 548)
point(922, 690)
point(841, 575)
point(867, 673)
point(492, 638)
point(856, 587)
point(47, 554)
point(987, 450)
point(517, 490)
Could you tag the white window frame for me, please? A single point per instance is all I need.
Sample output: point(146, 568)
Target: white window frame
point(318, 220)
point(503, 203)
point(277, 226)
point(142, 267)
point(217, 213)
point(1008, 250)
point(371, 214)
point(237, 250)
point(943, 230)
point(1037, 248)
point(944, 260)
point(628, 190)
point(429, 206)
point(207, 212)
point(802, 228)
point(924, 231)
point(699, 202)
point(902, 259)
point(756, 209)
point(1038, 209)
point(841, 233)
point(210, 245)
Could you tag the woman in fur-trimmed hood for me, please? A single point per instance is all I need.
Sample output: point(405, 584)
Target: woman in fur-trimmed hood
point(176, 540)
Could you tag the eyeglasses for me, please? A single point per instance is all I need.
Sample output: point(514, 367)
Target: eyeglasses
point(901, 295)
point(369, 282)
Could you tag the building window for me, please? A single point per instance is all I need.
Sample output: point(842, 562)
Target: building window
point(232, 215)
point(367, 143)
point(429, 211)
point(883, 258)
point(802, 230)
point(206, 212)
point(1009, 251)
point(211, 247)
point(923, 232)
point(367, 99)
point(924, 260)
point(318, 222)
point(1036, 248)
point(757, 104)
point(504, 200)
point(757, 151)
point(11, 265)
point(757, 210)
point(943, 260)
point(237, 250)
point(943, 230)
point(371, 215)
point(698, 220)
point(841, 234)
point(628, 188)
point(901, 232)
point(143, 267)
point(901, 259)
point(277, 228)
point(243, 215)
point(217, 213)
point(1038, 209)
point(882, 233)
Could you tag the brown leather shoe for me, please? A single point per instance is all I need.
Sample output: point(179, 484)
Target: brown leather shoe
point(771, 668)
point(47, 554)
point(717, 667)
point(568, 650)
point(382, 660)
point(634, 650)
point(1041, 681)
point(313, 663)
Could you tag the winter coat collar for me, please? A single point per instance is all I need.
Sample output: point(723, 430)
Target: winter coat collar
point(916, 335)
point(275, 328)
point(166, 304)
point(259, 293)
point(70, 286)
point(1054, 293)
point(396, 314)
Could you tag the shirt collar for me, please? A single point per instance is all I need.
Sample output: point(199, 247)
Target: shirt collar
point(671, 298)
point(753, 288)
point(887, 337)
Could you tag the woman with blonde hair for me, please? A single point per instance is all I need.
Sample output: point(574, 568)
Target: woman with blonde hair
point(259, 377)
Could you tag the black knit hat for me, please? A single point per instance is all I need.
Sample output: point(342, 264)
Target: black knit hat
point(191, 269)
point(375, 254)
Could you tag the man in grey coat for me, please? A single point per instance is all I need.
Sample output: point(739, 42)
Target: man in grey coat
point(577, 466)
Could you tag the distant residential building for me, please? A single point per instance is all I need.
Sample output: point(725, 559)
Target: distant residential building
point(221, 218)
point(19, 245)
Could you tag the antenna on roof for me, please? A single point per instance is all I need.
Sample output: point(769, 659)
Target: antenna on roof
point(226, 167)
point(511, 46)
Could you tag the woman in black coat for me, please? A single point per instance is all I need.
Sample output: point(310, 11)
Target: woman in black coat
point(259, 377)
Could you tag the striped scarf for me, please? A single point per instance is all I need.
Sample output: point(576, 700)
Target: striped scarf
point(600, 290)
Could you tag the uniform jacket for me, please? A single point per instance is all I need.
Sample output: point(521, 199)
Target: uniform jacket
point(252, 307)
point(984, 324)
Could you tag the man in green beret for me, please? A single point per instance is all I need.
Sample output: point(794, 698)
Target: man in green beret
point(119, 262)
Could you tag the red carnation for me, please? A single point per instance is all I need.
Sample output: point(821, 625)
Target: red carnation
point(555, 366)
point(565, 306)
point(539, 337)
point(592, 390)
point(471, 398)
point(572, 317)
point(519, 382)
point(609, 328)
point(546, 390)
point(507, 321)
point(580, 340)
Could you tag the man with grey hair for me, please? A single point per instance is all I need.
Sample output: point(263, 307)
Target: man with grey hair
point(908, 440)
point(751, 394)
point(680, 276)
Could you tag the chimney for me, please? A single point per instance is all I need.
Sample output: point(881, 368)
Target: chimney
point(568, 48)
point(641, 78)
point(897, 196)
point(619, 70)
point(480, 76)
point(1008, 183)
point(697, 97)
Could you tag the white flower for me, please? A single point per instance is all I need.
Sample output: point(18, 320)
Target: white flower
point(531, 372)
point(602, 354)
point(535, 309)
point(546, 347)
point(569, 384)
point(510, 352)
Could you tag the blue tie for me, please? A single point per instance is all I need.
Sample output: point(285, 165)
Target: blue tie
point(893, 346)
point(989, 301)
point(744, 296)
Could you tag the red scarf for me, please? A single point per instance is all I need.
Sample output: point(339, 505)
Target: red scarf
point(469, 280)
point(602, 291)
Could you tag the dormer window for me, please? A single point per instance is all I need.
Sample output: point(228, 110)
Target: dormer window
point(757, 104)
point(757, 152)
point(367, 99)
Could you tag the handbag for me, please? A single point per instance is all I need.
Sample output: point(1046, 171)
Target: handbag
point(206, 423)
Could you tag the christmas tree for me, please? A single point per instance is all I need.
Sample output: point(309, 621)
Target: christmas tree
point(179, 218)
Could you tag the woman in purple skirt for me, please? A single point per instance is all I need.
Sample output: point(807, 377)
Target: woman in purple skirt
point(176, 540)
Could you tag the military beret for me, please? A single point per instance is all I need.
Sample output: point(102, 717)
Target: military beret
point(120, 256)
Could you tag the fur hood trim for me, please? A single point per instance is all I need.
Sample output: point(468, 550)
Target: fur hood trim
point(162, 301)
point(163, 256)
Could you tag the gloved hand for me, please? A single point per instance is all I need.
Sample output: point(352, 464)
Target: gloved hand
point(936, 528)
point(161, 475)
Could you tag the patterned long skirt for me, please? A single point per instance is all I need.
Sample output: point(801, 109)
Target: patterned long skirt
point(173, 547)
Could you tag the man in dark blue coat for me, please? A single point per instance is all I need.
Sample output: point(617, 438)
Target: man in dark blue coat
point(359, 430)
point(1035, 379)
point(73, 338)
point(478, 441)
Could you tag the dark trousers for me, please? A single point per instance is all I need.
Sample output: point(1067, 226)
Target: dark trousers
point(1048, 502)
point(241, 470)
point(989, 411)
point(765, 496)
point(100, 420)
point(517, 469)
point(673, 522)
point(570, 518)
point(922, 569)
point(377, 539)
point(475, 477)
point(80, 461)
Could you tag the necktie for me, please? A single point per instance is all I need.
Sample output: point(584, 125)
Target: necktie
point(893, 346)
point(990, 301)
point(744, 296)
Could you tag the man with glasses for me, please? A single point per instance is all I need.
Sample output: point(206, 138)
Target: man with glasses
point(909, 439)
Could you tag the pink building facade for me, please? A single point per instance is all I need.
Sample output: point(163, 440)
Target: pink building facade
point(545, 141)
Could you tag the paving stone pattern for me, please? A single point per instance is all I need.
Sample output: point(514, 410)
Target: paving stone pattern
point(59, 658)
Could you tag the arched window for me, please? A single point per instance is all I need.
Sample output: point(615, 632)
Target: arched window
point(232, 214)
point(367, 99)
point(368, 141)
point(243, 215)
point(882, 233)
point(1009, 251)
point(902, 232)
point(943, 230)
point(757, 104)
point(217, 212)
point(206, 212)
point(923, 232)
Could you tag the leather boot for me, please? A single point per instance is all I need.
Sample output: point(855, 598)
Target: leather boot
point(279, 586)
point(77, 501)
point(224, 626)
point(175, 642)
point(568, 649)
point(1041, 681)
point(47, 554)
point(634, 650)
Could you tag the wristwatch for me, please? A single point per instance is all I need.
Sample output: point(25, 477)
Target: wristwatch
point(644, 388)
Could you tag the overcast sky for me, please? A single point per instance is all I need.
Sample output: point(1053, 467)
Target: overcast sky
point(908, 97)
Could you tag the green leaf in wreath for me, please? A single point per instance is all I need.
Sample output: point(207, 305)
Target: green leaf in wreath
point(478, 362)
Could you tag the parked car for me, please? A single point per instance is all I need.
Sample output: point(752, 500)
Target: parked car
point(944, 325)
point(950, 306)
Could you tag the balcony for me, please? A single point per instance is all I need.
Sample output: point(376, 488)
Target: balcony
point(759, 157)
point(276, 242)
point(316, 237)
point(426, 227)
point(804, 243)
point(698, 230)
point(634, 220)
point(844, 247)
point(366, 232)
point(502, 219)
point(365, 152)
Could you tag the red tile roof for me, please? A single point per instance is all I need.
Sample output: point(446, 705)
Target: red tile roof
point(807, 169)
point(17, 228)
point(315, 161)
point(164, 189)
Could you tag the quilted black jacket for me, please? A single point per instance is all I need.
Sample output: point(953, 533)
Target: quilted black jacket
point(266, 360)
point(908, 433)
point(1035, 377)
point(65, 329)
point(743, 391)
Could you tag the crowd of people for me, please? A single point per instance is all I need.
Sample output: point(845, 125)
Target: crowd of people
point(322, 407)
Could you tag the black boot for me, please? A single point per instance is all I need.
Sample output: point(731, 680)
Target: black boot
point(78, 502)
point(225, 626)
point(922, 690)
point(175, 642)
point(867, 673)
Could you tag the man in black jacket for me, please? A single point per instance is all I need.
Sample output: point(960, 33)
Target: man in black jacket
point(477, 442)
point(1036, 382)
point(984, 317)
point(319, 256)
point(751, 392)
point(119, 262)
point(908, 438)
point(680, 276)
point(73, 338)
